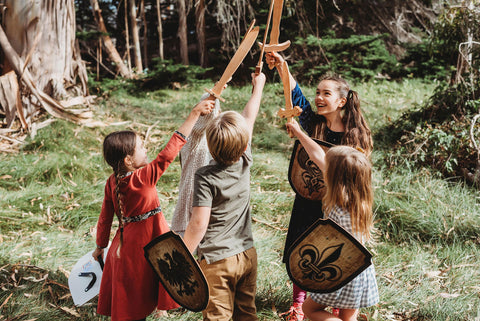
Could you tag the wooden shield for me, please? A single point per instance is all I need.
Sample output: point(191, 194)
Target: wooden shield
point(304, 175)
point(178, 271)
point(326, 257)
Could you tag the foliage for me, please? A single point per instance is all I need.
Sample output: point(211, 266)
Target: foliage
point(451, 29)
point(166, 72)
point(437, 134)
point(357, 57)
point(423, 61)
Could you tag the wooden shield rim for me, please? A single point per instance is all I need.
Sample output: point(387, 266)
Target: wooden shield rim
point(360, 246)
point(160, 238)
point(294, 153)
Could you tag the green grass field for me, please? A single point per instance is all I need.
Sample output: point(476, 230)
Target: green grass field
point(426, 251)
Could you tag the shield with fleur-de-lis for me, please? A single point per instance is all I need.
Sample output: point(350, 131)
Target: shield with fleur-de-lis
point(178, 271)
point(326, 257)
point(304, 175)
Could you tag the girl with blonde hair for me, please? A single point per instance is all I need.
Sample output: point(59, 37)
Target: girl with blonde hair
point(348, 201)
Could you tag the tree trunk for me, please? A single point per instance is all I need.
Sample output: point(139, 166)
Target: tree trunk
point(127, 37)
point(137, 53)
point(182, 31)
point(200, 27)
point(145, 33)
point(38, 43)
point(107, 41)
point(160, 31)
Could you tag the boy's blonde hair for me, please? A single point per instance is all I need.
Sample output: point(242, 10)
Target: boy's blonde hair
point(349, 185)
point(227, 137)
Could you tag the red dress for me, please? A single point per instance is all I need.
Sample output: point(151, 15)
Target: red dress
point(130, 290)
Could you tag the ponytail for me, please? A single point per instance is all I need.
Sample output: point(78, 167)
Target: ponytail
point(357, 131)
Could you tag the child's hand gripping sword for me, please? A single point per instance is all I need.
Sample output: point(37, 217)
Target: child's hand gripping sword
point(274, 34)
point(289, 112)
point(243, 49)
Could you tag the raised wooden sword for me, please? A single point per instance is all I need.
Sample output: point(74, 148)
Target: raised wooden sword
point(243, 49)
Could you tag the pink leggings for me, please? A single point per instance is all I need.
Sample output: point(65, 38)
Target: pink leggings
point(299, 295)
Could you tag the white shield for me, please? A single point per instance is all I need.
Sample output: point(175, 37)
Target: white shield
point(85, 278)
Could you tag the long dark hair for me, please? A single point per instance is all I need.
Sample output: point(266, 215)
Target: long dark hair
point(116, 146)
point(357, 132)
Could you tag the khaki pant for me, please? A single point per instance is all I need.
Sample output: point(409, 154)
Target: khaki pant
point(233, 284)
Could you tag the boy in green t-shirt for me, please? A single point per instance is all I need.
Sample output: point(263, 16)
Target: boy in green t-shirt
point(221, 223)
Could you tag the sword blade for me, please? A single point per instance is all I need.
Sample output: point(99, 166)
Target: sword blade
point(236, 60)
point(277, 16)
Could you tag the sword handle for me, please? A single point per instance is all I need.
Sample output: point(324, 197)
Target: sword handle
point(100, 261)
point(258, 68)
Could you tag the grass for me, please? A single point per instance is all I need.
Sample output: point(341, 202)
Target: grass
point(427, 243)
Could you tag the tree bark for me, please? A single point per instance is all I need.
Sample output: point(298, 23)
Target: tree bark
point(200, 27)
point(160, 31)
point(107, 41)
point(137, 53)
point(182, 31)
point(145, 33)
point(39, 44)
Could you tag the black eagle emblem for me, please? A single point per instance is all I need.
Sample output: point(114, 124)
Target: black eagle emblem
point(177, 272)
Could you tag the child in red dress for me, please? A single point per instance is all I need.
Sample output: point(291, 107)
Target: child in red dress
point(130, 289)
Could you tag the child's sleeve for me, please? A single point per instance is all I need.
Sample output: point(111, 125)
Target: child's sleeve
point(202, 190)
point(305, 118)
point(105, 219)
point(151, 173)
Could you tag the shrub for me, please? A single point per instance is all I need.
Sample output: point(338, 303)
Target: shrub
point(359, 57)
point(166, 72)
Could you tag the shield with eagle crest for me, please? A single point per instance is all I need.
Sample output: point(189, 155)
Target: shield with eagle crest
point(304, 175)
point(178, 271)
point(326, 257)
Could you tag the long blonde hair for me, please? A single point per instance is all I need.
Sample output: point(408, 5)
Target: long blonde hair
point(357, 131)
point(349, 186)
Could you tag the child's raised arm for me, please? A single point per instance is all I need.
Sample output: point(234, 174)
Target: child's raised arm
point(316, 153)
point(202, 108)
point(274, 58)
point(250, 111)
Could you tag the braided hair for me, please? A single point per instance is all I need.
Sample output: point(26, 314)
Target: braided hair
point(116, 146)
point(357, 131)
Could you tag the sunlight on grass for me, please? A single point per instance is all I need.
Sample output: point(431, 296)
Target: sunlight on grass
point(51, 193)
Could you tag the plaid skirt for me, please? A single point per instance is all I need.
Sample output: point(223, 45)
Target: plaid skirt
point(361, 292)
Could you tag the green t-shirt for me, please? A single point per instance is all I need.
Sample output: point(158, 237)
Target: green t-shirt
point(226, 190)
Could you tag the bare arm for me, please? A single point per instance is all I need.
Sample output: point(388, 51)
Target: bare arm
point(197, 227)
point(316, 153)
point(250, 111)
point(277, 60)
point(202, 108)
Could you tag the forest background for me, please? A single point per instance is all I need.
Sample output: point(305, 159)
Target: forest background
point(414, 63)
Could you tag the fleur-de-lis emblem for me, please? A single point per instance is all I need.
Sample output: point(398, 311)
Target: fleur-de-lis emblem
point(312, 175)
point(320, 268)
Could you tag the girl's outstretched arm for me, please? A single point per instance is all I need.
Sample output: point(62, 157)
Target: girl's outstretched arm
point(202, 108)
point(316, 153)
point(250, 111)
point(274, 58)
